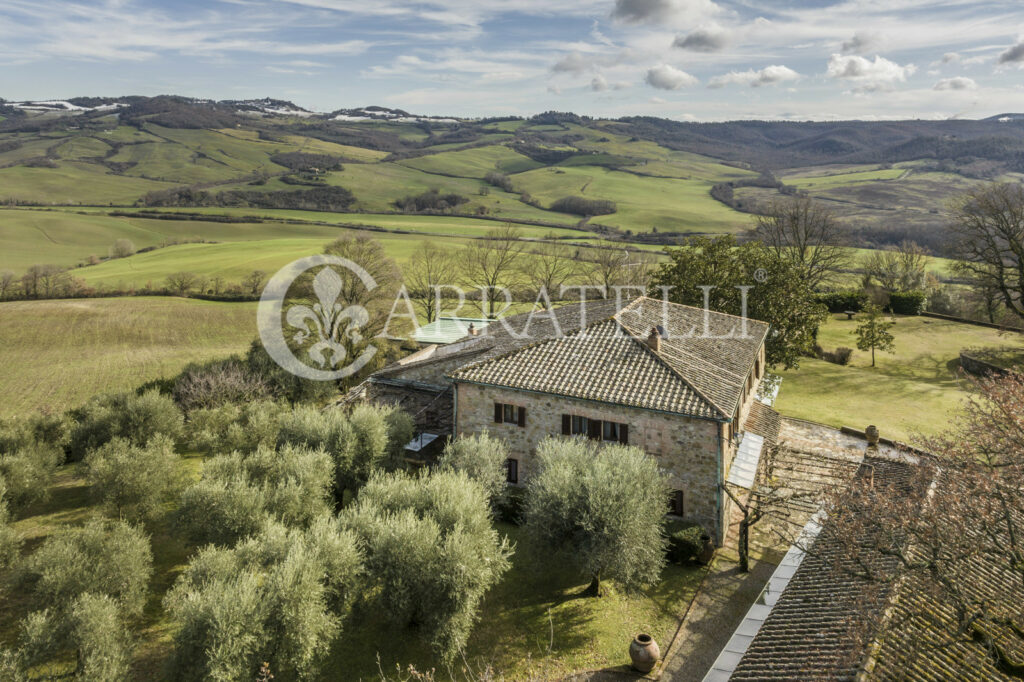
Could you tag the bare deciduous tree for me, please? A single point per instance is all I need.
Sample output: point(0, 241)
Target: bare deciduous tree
point(989, 225)
point(367, 253)
point(805, 234)
point(8, 282)
point(122, 248)
point(253, 282)
point(429, 268)
point(182, 282)
point(549, 265)
point(899, 269)
point(949, 536)
point(492, 262)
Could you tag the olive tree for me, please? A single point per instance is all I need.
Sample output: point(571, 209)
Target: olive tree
point(109, 558)
point(277, 598)
point(136, 418)
point(243, 428)
point(27, 472)
point(239, 493)
point(10, 542)
point(601, 509)
point(136, 483)
point(483, 458)
point(431, 552)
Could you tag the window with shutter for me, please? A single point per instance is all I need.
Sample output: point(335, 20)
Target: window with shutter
point(594, 429)
point(511, 470)
point(498, 413)
point(580, 425)
point(610, 431)
point(522, 416)
point(566, 425)
point(510, 416)
point(624, 433)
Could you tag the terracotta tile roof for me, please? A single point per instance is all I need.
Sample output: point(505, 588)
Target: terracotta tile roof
point(818, 630)
point(610, 361)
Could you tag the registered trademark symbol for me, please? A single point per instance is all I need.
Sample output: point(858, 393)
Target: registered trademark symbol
point(761, 275)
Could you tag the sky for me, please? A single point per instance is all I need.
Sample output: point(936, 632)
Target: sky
point(702, 60)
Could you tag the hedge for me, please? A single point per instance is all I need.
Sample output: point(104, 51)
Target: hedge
point(842, 300)
point(908, 302)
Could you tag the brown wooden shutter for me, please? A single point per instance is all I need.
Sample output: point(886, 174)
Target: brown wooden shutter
point(624, 433)
point(566, 425)
point(498, 413)
point(594, 429)
point(522, 416)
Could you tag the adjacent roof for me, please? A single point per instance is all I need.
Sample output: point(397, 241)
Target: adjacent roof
point(700, 369)
point(816, 630)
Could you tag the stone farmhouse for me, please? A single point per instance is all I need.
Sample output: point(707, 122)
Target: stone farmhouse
point(677, 381)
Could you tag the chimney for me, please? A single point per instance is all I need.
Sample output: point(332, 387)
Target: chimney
point(654, 340)
point(472, 329)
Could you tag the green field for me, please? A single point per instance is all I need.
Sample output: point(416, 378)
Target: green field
point(914, 390)
point(230, 260)
point(58, 354)
point(644, 203)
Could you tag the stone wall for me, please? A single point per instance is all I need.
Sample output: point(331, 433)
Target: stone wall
point(687, 449)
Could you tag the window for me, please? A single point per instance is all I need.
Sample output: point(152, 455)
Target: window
point(675, 503)
point(511, 471)
point(509, 414)
point(575, 425)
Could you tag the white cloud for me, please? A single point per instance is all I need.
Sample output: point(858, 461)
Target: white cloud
point(665, 77)
point(574, 62)
point(769, 75)
point(599, 84)
point(868, 75)
point(958, 83)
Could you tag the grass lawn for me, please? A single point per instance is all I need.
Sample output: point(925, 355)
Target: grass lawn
point(57, 354)
point(913, 390)
point(536, 620)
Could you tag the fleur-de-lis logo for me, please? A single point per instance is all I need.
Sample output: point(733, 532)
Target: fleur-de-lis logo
point(328, 324)
point(325, 321)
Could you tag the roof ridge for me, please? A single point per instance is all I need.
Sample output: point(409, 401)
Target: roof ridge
point(670, 368)
point(693, 307)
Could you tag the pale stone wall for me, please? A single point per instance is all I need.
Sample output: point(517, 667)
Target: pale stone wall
point(687, 449)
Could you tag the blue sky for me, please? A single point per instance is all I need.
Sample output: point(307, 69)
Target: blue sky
point(682, 59)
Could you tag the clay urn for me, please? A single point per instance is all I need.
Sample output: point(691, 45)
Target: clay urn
point(871, 433)
point(644, 653)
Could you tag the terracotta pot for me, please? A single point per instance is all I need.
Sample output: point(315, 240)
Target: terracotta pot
point(644, 653)
point(871, 434)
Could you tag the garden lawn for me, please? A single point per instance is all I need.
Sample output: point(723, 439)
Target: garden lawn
point(914, 390)
point(535, 624)
point(56, 355)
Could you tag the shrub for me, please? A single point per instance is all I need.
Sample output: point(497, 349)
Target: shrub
point(136, 418)
point(583, 207)
point(599, 508)
point(282, 383)
point(122, 248)
point(430, 201)
point(911, 302)
point(482, 458)
point(842, 300)
point(108, 558)
point(238, 493)
point(499, 179)
point(431, 552)
point(274, 599)
point(43, 429)
point(510, 506)
point(685, 542)
point(840, 356)
point(218, 382)
point(133, 482)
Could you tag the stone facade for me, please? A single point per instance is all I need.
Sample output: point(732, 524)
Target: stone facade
point(687, 449)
